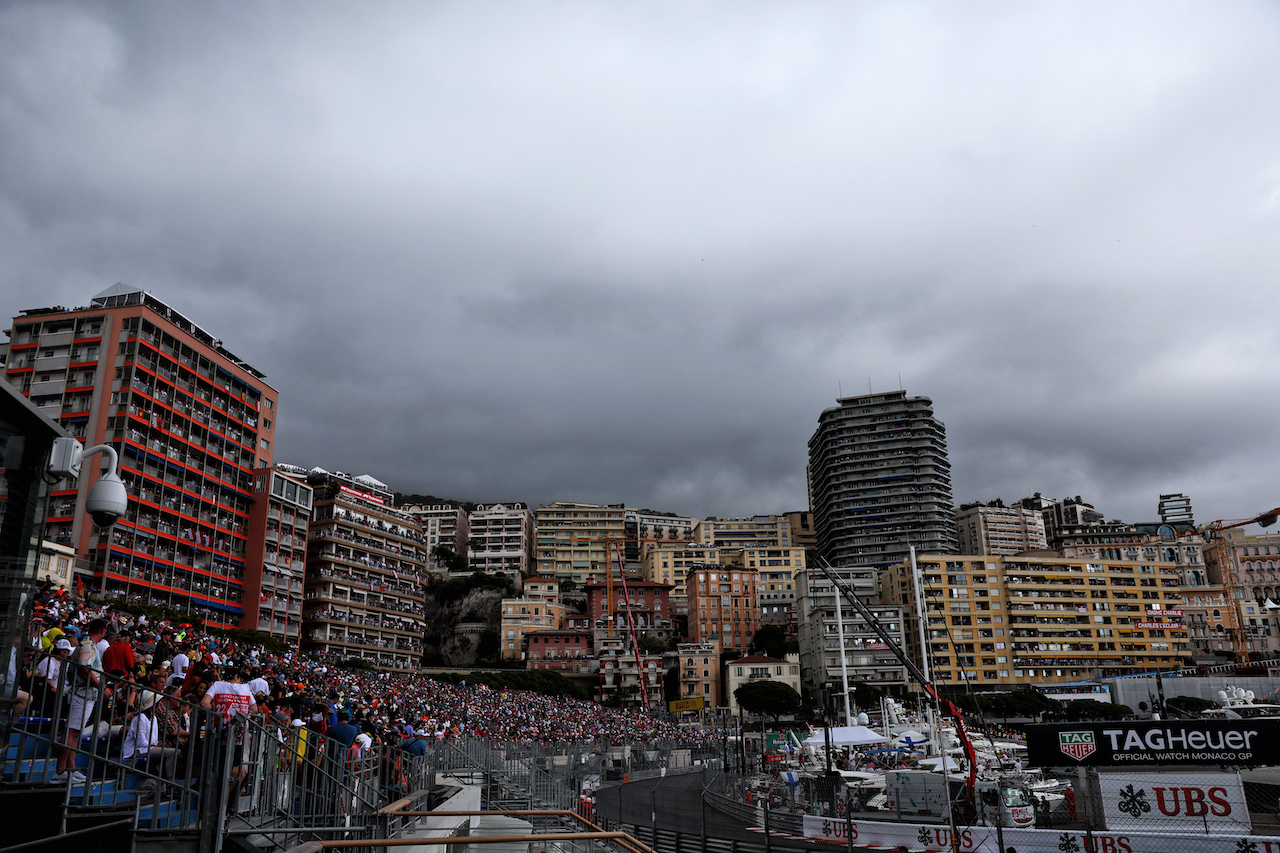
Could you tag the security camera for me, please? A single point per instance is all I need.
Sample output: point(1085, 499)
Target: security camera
point(107, 501)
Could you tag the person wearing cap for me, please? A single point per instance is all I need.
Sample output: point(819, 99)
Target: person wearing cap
point(142, 739)
point(51, 667)
point(87, 681)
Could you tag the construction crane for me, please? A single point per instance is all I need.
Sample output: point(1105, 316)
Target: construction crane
point(1219, 547)
point(946, 706)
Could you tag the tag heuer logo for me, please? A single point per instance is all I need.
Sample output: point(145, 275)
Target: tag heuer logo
point(1078, 745)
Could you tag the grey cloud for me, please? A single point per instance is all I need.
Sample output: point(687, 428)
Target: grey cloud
point(630, 253)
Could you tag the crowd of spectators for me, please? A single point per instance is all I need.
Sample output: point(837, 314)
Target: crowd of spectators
point(302, 690)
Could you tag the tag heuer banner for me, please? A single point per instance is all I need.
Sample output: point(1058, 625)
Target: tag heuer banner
point(1242, 743)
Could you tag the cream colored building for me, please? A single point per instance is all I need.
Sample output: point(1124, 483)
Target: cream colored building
point(501, 540)
point(525, 615)
point(1021, 620)
point(670, 564)
point(578, 542)
point(748, 670)
point(753, 532)
point(986, 529)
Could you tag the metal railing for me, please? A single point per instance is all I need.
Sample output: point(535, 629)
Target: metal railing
point(203, 776)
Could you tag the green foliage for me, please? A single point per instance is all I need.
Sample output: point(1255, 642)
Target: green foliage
point(770, 640)
point(623, 697)
point(356, 663)
point(543, 681)
point(769, 698)
point(656, 645)
point(867, 696)
point(1023, 702)
point(451, 560)
point(1190, 704)
point(445, 591)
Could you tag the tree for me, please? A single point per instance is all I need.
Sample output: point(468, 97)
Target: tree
point(768, 698)
point(771, 641)
point(654, 645)
point(867, 696)
point(449, 559)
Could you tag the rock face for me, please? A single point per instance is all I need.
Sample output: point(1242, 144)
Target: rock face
point(476, 612)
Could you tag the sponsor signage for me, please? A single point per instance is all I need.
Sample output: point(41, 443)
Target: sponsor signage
point(695, 704)
point(1175, 802)
point(924, 837)
point(1244, 743)
point(1164, 614)
point(362, 495)
point(1157, 624)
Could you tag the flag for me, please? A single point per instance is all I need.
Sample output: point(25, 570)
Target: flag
point(397, 574)
point(80, 586)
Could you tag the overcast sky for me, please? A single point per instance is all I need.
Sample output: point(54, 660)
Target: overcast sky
point(628, 252)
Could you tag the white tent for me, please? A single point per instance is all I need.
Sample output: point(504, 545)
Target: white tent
point(845, 736)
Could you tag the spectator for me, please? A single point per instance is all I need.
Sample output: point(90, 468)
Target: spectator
point(87, 685)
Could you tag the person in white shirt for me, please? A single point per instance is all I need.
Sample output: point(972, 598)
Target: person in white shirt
point(142, 740)
point(51, 667)
point(259, 684)
point(105, 642)
point(181, 662)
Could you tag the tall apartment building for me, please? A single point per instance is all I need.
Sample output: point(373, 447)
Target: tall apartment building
point(1255, 560)
point(1176, 509)
point(866, 657)
point(442, 525)
point(366, 562)
point(723, 605)
point(999, 529)
point(190, 422)
point(1003, 621)
point(501, 540)
point(754, 532)
point(277, 557)
point(880, 481)
point(578, 542)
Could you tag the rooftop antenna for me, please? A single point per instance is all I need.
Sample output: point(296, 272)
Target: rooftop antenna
point(868, 384)
point(900, 388)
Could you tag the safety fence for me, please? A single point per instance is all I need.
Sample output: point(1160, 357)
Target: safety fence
point(172, 767)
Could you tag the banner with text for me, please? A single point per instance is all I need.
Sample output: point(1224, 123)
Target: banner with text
point(1242, 743)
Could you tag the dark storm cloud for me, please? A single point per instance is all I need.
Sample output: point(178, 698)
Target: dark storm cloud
point(629, 253)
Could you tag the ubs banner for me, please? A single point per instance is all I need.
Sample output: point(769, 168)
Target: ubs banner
point(1185, 801)
point(1241, 743)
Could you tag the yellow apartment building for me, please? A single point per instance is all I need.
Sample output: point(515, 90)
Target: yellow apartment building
point(1002, 621)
